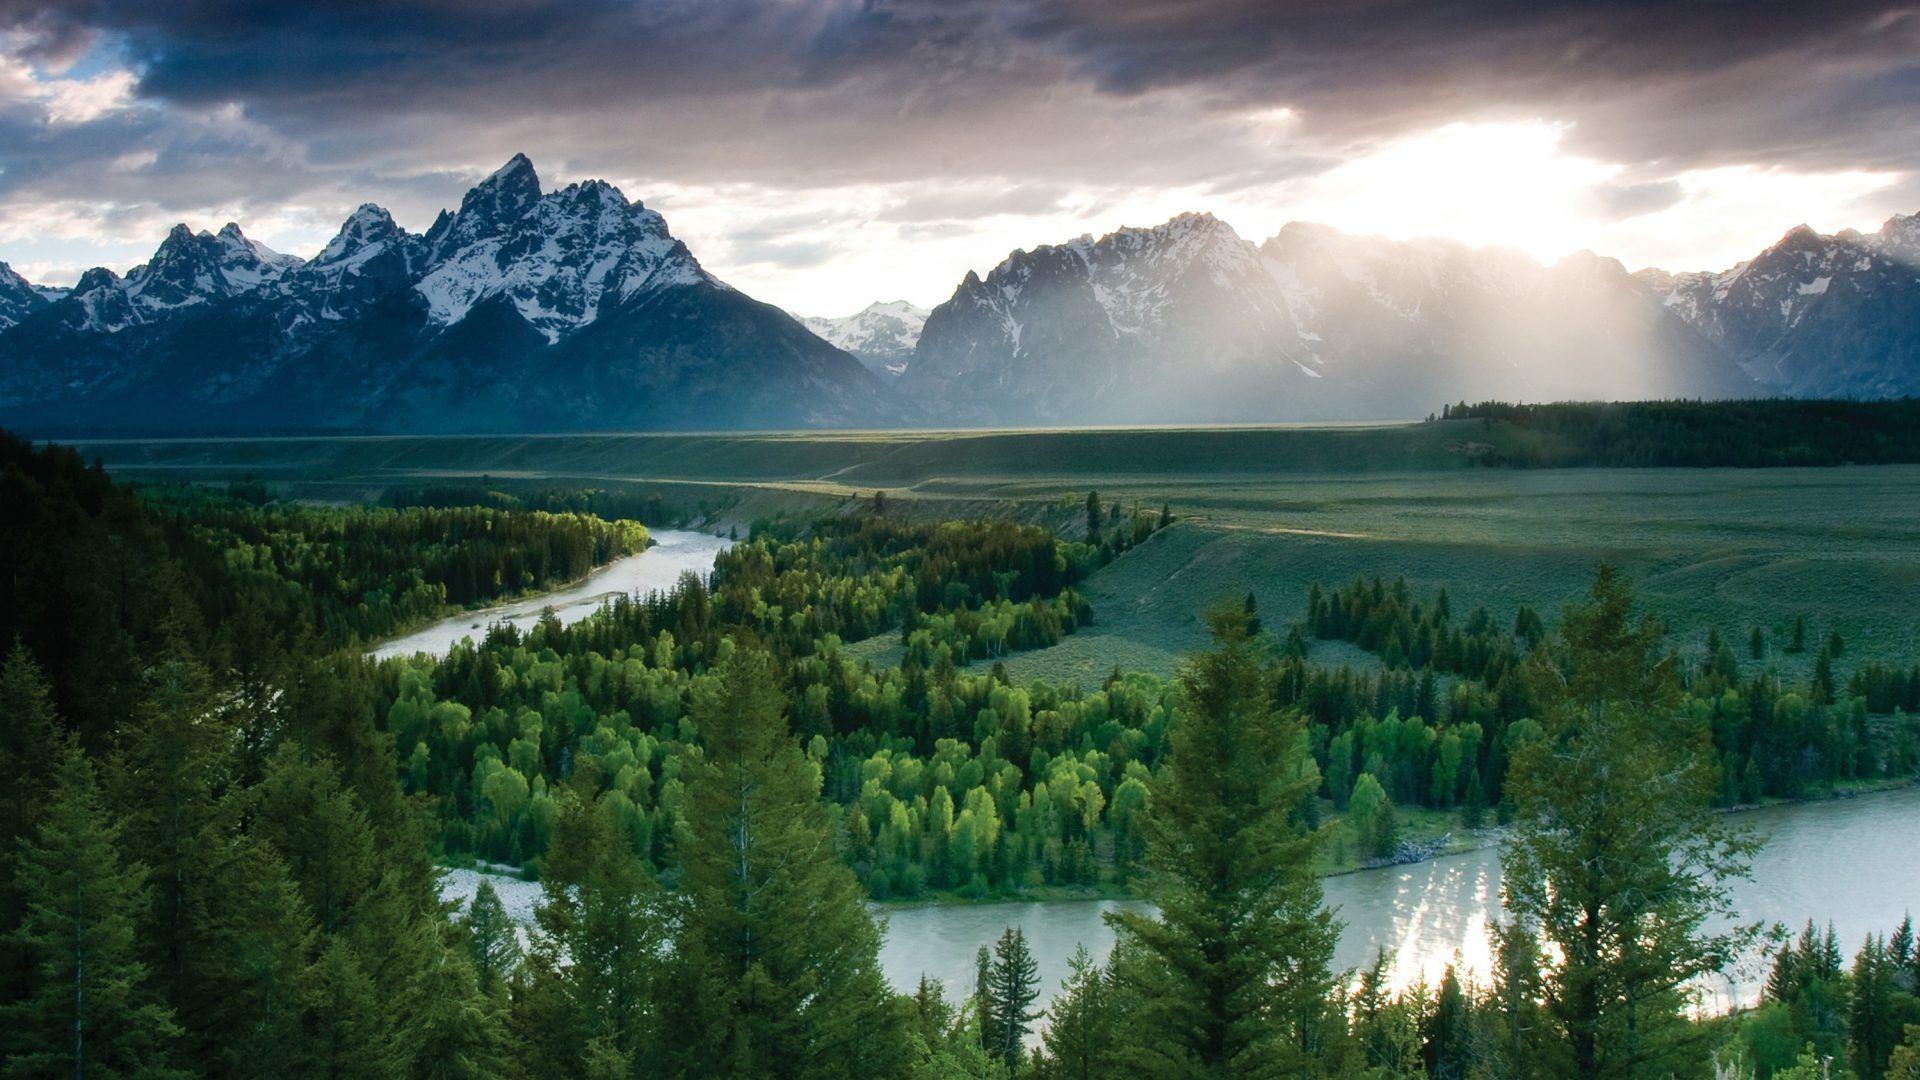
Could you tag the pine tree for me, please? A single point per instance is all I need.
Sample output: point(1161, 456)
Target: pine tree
point(29, 743)
point(1446, 1047)
point(1799, 644)
point(982, 1000)
point(1618, 856)
point(1078, 1042)
point(88, 1009)
point(1757, 644)
point(170, 772)
point(1094, 517)
point(595, 966)
point(1232, 974)
point(1013, 983)
point(1873, 1029)
point(243, 996)
point(782, 957)
point(492, 944)
point(455, 1034)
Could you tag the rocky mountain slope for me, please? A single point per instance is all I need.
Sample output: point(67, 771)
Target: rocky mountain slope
point(1814, 315)
point(882, 335)
point(519, 311)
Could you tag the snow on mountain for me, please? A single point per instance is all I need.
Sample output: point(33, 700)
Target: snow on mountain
point(518, 310)
point(558, 260)
point(18, 297)
point(881, 335)
point(1814, 315)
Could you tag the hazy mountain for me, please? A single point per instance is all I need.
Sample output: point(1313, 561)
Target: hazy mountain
point(1187, 321)
point(518, 311)
point(1814, 315)
point(882, 335)
point(1176, 322)
point(1400, 324)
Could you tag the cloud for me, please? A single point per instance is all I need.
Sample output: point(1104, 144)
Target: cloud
point(936, 128)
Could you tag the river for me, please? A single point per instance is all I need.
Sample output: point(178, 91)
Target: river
point(1848, 861)
point(656, 569)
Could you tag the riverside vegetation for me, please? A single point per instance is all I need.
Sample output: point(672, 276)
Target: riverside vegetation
point(221, 818)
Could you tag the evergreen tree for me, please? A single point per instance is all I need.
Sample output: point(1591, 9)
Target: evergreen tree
point(1446, 1049)
point(170, 773)
point(1078, 1042)
point(1799, 644)
point(1618, 857)
point(1757, 644)
point(982, 1000)
point(595, 966)
point(1231, 976)
point(1094, 517)
point(1012, 985)
point(29, 744)
point(492, 944)
point(1873, 1029)
point(88, 1009)
point(456, 1034)
point(245, 988)
point(782, 958)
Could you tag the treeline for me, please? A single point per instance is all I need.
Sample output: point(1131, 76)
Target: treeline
point(359, 572)
point(992, 630)
point(630, 504)
point(1438, 726)
point(1745, 434)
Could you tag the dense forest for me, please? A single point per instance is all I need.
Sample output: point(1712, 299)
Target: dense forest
point(1744, 434)
point(221, 819)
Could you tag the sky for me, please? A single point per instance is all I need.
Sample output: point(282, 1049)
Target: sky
point(821, 154)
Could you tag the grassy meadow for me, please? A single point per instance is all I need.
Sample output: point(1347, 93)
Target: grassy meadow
point(1267, 509)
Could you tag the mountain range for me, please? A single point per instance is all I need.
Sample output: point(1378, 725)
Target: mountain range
point(576, 309)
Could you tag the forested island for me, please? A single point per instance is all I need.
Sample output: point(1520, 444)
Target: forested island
point(224, 821)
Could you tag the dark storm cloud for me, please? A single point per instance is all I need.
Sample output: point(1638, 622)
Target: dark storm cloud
point(878, 87)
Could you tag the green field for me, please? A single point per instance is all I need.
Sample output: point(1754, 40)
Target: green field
point(1267, 509)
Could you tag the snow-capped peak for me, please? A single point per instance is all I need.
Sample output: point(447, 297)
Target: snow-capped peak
point(18, 297)
point(882, 334)
point(558, 259)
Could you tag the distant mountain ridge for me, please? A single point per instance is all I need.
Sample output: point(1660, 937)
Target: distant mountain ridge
point(1187, 321)
point(882, 335)
point(576, 309)
point(519, 311)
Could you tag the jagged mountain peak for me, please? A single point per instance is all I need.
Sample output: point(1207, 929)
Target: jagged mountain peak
point(488, 208)
point(18, 297)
